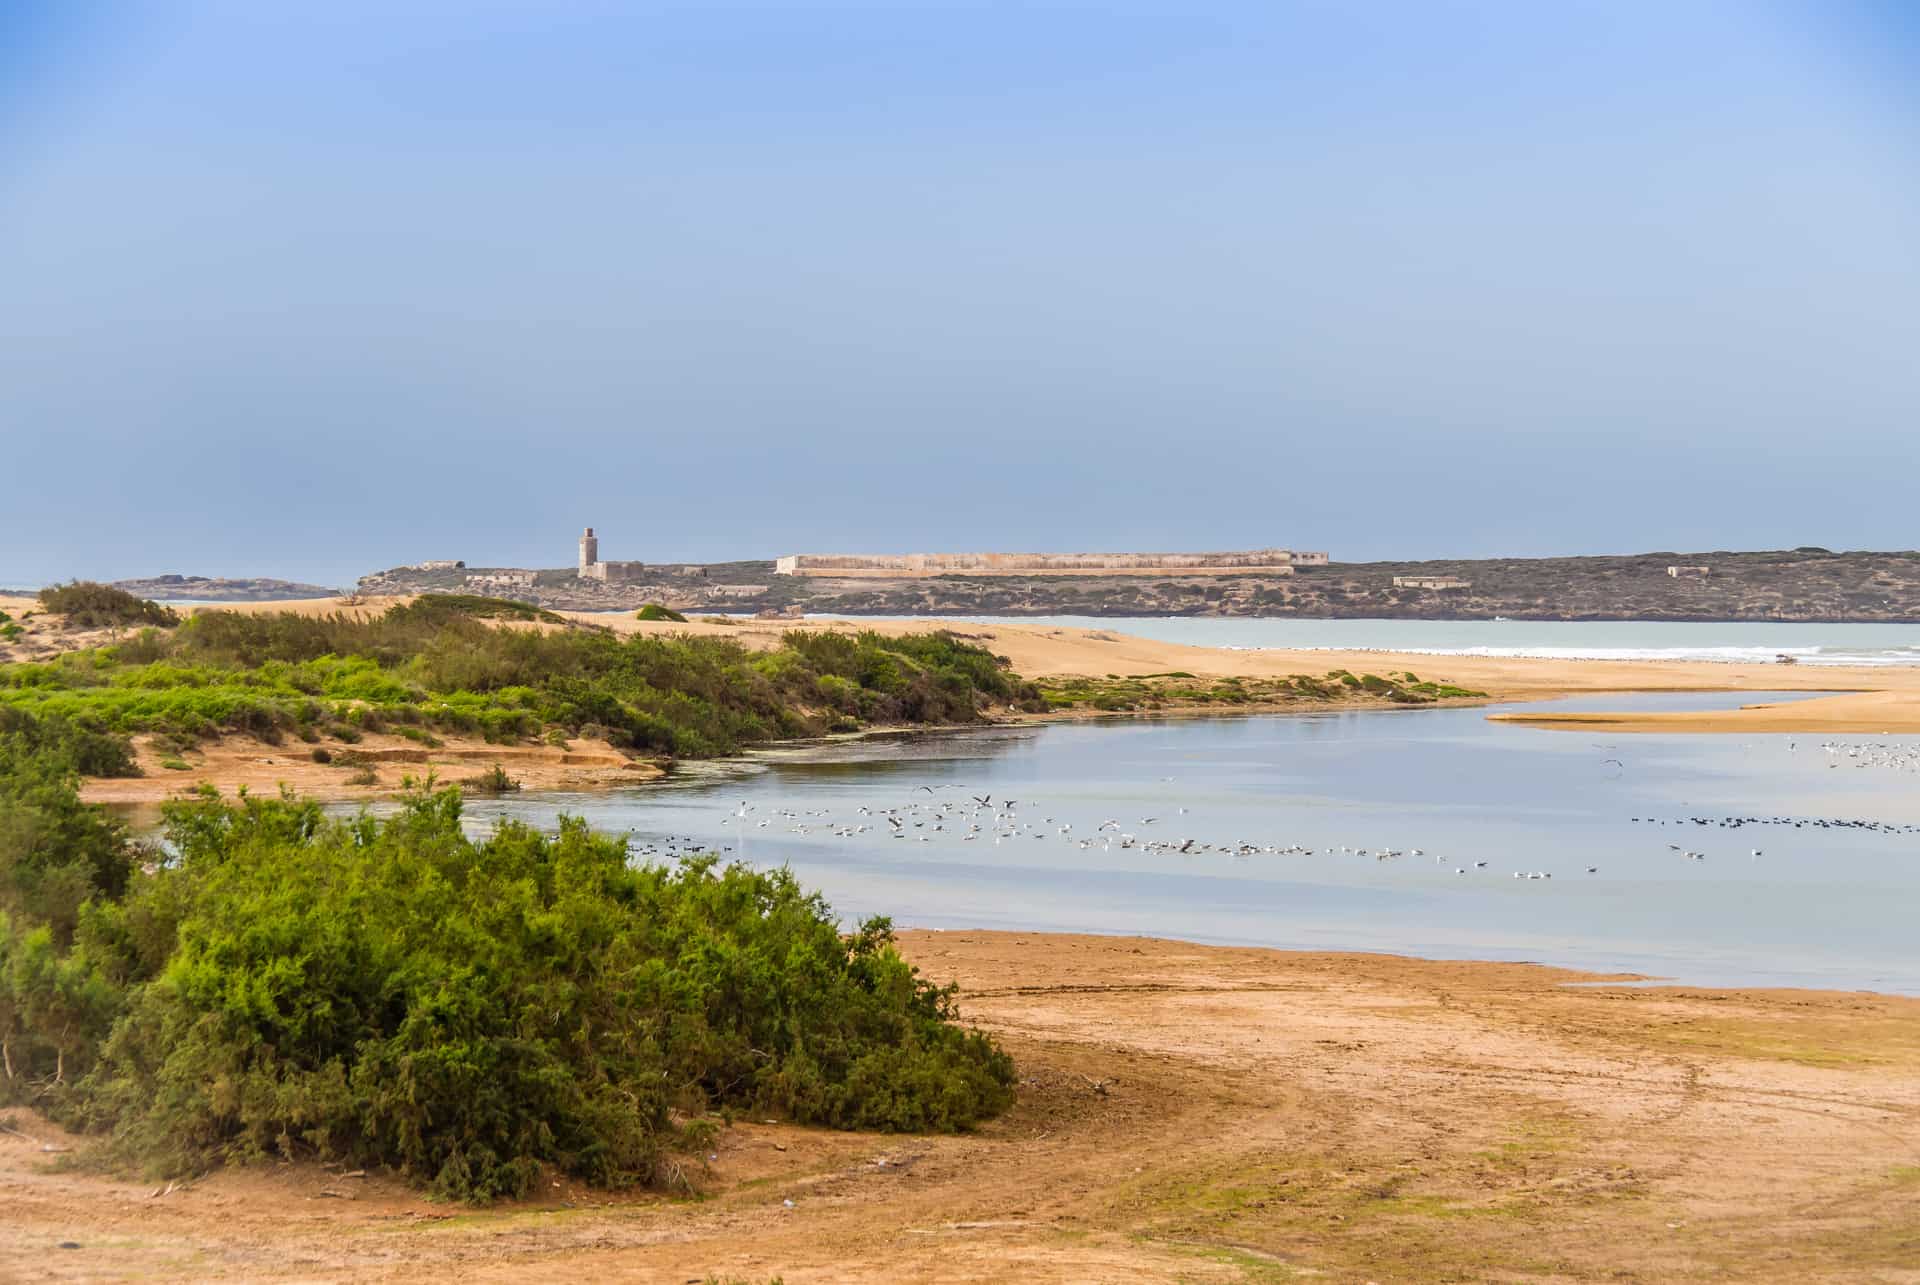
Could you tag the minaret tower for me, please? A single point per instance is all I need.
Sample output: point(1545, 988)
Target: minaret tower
point(589, 550)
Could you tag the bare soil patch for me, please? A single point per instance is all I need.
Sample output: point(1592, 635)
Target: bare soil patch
point(232, 762)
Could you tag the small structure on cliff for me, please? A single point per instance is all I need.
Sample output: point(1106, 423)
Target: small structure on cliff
point(501, 580)
point(1688, 573)
point(1431, 582)
point(1276, 562)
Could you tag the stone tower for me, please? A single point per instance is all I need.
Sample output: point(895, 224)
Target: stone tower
point(589, 550)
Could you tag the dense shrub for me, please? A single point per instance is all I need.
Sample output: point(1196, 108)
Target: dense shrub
point(392, 992)
point(431, 664)
point(429, 605)
point(655, 611)
point(87, 604)
point(55, 852)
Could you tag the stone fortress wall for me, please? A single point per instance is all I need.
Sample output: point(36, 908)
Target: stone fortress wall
point(1279, 562)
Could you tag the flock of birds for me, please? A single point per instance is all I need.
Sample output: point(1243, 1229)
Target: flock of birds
point(974, 818)
point(1798, 823)
point(1897, 757)
point(977, 818)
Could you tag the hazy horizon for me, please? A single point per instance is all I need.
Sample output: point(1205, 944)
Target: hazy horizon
point(309, 294)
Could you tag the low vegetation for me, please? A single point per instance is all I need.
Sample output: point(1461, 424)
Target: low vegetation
point(1179, 690)
point(469, 1013)
point(484, 608)
point(86, 604)
point(654, 611)
point(443, 664)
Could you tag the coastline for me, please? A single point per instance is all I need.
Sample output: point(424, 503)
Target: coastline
point(1851, 700)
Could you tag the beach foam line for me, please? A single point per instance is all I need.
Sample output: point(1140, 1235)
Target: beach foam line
point(1887, 657)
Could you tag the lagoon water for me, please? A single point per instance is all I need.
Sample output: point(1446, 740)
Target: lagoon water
point(1823, 906)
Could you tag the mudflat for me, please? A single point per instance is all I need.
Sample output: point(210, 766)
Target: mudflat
point(1185, 1113)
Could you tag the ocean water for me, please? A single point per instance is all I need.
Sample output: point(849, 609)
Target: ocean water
point(1830, 901)
point(1808, 644)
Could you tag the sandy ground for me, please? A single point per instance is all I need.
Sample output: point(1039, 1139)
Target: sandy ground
point(1186, 1113)
point(232, 762)
point(42, 636)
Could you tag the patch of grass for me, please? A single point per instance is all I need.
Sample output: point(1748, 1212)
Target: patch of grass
point(655, 611)
point(176, 765)
point(1832, 1045)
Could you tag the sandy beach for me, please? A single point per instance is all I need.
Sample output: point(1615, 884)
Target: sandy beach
point(1185, 1113)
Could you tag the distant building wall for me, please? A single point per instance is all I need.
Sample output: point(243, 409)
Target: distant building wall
point(1267, 561)
point(1310, 559)
point(589, 552)
point(438, 564)
point(502, 580)
point(1679, 573)
point(1431, 582)
point(614, 572)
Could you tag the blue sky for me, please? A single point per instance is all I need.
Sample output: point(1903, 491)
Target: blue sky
point(311, 289)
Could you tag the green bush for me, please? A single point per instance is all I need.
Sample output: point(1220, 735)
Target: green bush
point(429, 605)
point(492, 781)
point(56, 853)
point(429, 667)
point(394, 993)
point(87, 604)
point(655, 611)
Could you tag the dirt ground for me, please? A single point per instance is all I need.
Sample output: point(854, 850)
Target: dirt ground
point(231, 762)
point(1186, 1113)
